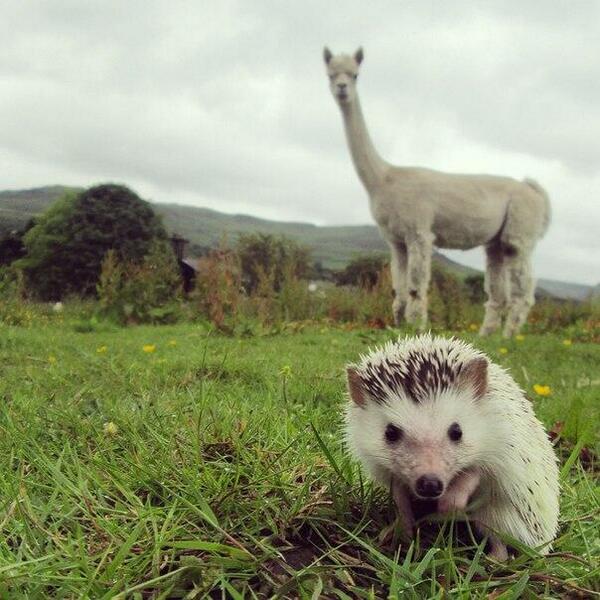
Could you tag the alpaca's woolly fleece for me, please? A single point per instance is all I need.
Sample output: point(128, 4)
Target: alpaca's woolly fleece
point(418, 386)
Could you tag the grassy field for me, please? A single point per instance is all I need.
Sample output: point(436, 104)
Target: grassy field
point(168, 462)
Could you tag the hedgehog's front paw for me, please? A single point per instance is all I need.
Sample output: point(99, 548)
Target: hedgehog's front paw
point(497, 549)
point(452, 500)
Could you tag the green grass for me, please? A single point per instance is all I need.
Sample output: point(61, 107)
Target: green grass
point(214, 467)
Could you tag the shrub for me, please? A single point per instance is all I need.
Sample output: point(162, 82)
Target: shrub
point(149, 292)
point(580, 319)
point(11, 245)
point(217, 293)
point(363, 271)
point(448, 299)
point(295, 301)
point(261, 254)
point(66, 246)
point(13, 309)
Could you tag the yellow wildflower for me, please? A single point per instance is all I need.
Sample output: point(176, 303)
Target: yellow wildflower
point(172, 343)
point(473, 327)
point(285, 371)
point(101, 349)
point(542, 390)
point(110, 428)
point(567, 342)
point(52, 359)
point(519, 337)
point(503, 350)
point(149, 348)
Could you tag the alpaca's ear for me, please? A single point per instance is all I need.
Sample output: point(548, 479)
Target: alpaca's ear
point(474, 377)
point(359, 55)
point(327, 55)
point(355, 387)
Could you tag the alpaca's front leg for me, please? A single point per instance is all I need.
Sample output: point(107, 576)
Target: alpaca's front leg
point(398, 270)
point(456, 497)
point(419, 272)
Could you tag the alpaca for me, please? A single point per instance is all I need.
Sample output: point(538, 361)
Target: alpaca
point(416, 208)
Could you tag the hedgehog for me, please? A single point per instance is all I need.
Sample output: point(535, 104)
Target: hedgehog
point(433, 419)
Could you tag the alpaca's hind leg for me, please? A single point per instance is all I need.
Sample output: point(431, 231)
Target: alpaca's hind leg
point(398, 270)
point(495, 289)
point(522, 290)
point(418, 275)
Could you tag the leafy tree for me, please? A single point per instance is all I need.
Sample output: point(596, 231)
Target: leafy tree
point(363, 271)
point(318, 271)
point(65, 248)
point(262, 255)
point(11, 245)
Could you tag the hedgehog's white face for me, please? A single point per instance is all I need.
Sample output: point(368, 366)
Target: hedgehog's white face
point(423, 443)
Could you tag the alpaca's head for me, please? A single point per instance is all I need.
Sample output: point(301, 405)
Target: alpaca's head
point(342, 70)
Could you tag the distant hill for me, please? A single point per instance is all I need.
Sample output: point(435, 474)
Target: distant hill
point(333, 247)
point(18, 206)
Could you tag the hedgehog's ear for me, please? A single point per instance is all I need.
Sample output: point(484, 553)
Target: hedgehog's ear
point(356, 388)
point(473, 377)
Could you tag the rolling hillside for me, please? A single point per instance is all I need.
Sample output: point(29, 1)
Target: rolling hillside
point(18, 206)
point(332, 246)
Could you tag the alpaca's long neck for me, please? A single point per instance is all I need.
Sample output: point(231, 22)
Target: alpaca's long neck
point(369, 165)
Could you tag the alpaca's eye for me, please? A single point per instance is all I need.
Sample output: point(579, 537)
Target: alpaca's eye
point(455, 432)
point(355, 77)
point(331, 77)
point(392, 434)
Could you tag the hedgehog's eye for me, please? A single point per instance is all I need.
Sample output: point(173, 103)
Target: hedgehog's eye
point(455, 432)
point(392, 434)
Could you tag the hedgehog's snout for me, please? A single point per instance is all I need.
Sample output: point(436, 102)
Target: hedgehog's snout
point(429, 486)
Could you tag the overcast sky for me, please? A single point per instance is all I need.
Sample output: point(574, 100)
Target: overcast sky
point(225, 104)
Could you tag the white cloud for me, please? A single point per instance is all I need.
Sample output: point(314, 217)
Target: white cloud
point(225, 104)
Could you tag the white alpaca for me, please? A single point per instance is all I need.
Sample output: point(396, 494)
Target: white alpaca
point(417, 208)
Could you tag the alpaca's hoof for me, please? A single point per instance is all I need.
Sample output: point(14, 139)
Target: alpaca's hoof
point(415, 316)
point(510, 330)
point(486, 330)
point(398, 309)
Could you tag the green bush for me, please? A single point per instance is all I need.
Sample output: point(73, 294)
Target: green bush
point(149, 292)
point(448, 300)
point(363, 271)
point(261, 254)
point(13, 309)
point(217, 293)
point(11, 245)
point(66, 246)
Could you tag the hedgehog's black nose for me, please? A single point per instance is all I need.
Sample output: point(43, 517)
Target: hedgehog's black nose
point(429, 486)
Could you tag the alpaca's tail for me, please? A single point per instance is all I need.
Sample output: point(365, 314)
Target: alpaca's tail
point(547, 210)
